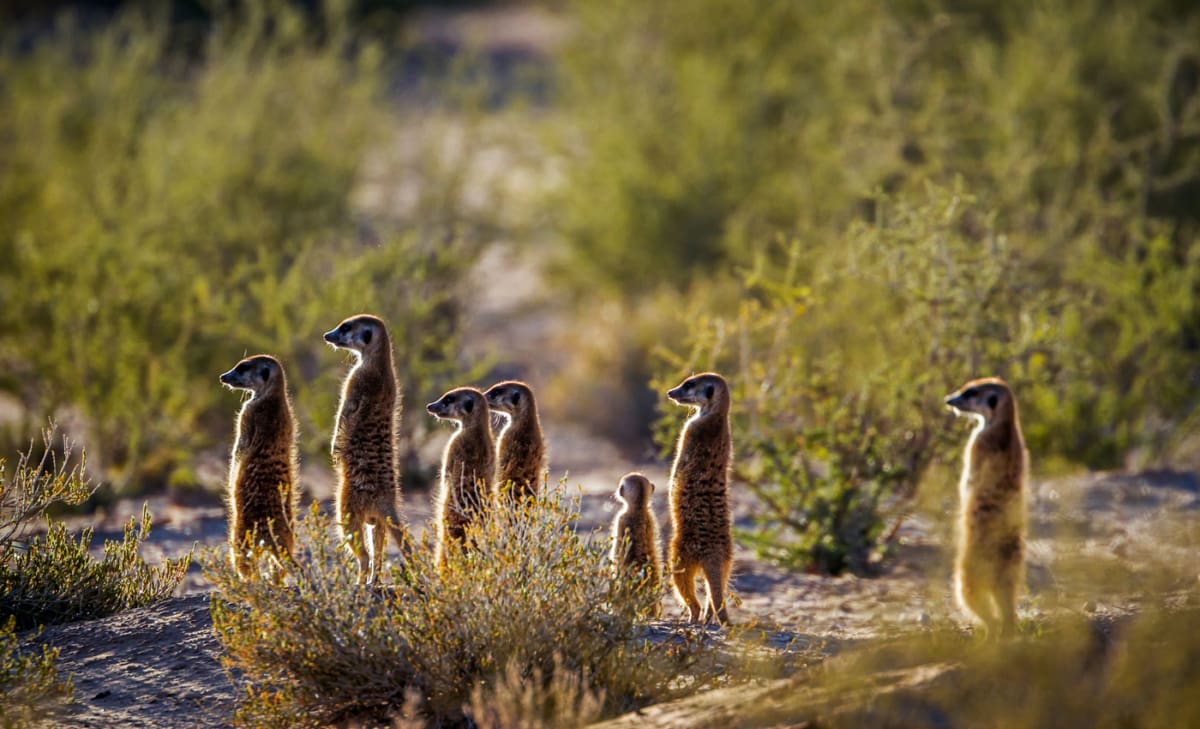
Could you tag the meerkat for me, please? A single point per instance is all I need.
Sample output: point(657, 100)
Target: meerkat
point(702, 529)
point(468, 464)
point(990, 565)
point(262, 467)
point(364, 447)
point(635, 529)
point(520, 448)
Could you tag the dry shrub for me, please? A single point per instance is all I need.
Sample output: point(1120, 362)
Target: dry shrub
point(529, 619)
point(53, 578)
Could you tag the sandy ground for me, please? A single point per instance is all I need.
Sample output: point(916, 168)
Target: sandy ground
point(1099, 544)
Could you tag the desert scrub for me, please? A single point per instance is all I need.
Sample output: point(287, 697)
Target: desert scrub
point(29, 685)
point(52, 577)
point(530, 604)
point(838, 380)
point(223, 179)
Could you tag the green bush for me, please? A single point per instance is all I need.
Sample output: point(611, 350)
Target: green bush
point(167, 213)
point(838, 383)
point(532, 600)
point(52, 578)
point(29, 685)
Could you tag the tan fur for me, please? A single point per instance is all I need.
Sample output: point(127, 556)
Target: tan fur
point(702, 538)
point(364, 447)
point(262, 467)
point(468, 465)
point(635, 530)
point(520, 449)
point(990, 566)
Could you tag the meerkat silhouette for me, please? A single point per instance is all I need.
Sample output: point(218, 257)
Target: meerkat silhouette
point(468, 465)
point(990, 564)
point(635, 530)
point(520, 448)
point(702, 538)
point(262, 467)
point(364, 443)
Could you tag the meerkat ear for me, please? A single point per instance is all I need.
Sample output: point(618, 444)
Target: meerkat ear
point(367, 334)
point(709, 390)
point(469, 405)
point(992, 400)
point(652, 487)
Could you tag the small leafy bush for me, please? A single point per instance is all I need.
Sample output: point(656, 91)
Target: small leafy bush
point(836, 419)
point(29, 685)
point(530, 618)
point(53, 578)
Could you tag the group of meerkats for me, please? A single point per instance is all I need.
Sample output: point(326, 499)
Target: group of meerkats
point(480, 471)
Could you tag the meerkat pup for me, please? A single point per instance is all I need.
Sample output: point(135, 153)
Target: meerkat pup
point(364, 443)
point(635, 530)
point(262, 468)
point(990, 565)
point(468, 464)
point(702, 538)
point(520, 449)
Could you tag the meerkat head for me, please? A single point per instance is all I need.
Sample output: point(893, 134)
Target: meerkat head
point(985, 400)
point(706, 392)
point(510, 397)
point(463, 404)
point(359, 334)
point(258, 374)
point(634, 490)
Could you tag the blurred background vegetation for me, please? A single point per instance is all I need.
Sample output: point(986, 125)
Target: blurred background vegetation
point(849, 209)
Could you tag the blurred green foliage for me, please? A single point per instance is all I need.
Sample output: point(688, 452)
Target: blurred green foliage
point(703, 133)
point(166, 215)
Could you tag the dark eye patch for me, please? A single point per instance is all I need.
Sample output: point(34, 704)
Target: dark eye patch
point(265, 373)
point(709, 390)
point(367, 334)
point(469, 405)
point(516, 397)
point(992, 400)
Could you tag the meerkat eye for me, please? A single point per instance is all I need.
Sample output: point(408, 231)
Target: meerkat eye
point(469, 405)
point(992, 400)
point(366, 336)
point(265, 373)
point(709, 390)
point(516, 397)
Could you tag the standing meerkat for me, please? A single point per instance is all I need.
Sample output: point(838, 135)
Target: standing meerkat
point(702, 538)
point(521, 449)
point(635, 530)
point(990, 566)
point(468, 464)
point(364, 443)
point(262, 467)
